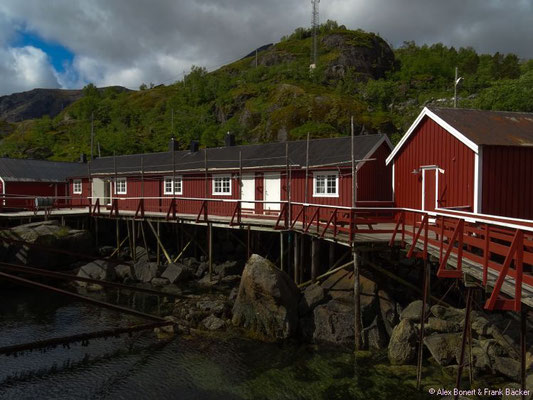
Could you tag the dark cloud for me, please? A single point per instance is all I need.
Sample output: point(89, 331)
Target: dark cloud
point(128, 42)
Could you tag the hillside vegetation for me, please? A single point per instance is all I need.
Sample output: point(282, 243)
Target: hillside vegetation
point(277, 97)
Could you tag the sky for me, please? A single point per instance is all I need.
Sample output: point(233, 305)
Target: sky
point(69, 43)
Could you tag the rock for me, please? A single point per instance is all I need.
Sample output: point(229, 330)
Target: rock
point(481, 359)
point(171, 289)
point(375, 335)
point(334, 322)
point(412, 311)
point(99, 269)
point(231, 278)
point(106, 251)
point(176, 273)
point(145, 271)
point(267, 301)
point(507, 367)
point(123, 272)
point(492, 348)
point(511, 391)
point(403, 343)
point(448, 313)
point(228, 268)
point(45, 234)
point(159, 281)
point(312, 296)
point(444, 347)
point(141, 255)
point(233, 294)
point(213, 323)
point(389, 310)
point(214, 306)
point(190, 262)
point(479, 323)
point(202, 268)
point(442, 326)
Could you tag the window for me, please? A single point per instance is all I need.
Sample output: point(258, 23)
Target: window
point(177, 187)
point(76, 186)
point(222, 185)
point(326, 184)
point(120, 186)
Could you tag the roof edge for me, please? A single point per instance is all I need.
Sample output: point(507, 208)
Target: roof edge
point(426, 112)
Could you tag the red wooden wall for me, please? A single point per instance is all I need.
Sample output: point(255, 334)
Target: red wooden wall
point(430, 144)
point(507, 181)
point(30, 190)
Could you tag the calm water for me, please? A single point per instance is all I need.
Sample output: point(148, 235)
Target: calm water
point(142, 367)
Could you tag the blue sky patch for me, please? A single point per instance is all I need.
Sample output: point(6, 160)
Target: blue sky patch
point(59, 55)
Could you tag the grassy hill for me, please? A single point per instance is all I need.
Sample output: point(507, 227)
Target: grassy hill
point(276, 96)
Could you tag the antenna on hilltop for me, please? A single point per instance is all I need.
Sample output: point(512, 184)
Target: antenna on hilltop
point(315, 26)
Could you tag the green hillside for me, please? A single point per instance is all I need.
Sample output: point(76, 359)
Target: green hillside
point(276, 96)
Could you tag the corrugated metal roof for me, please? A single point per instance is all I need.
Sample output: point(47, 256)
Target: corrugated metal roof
point(20, 170)
point(321, 152)
point(496, 128)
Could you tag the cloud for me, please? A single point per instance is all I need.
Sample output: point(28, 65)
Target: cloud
point(127, 42)
point(25, 67)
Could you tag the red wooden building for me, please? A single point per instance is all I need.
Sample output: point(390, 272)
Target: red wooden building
point(469, 160)
point(262, 171)
point(22, 180)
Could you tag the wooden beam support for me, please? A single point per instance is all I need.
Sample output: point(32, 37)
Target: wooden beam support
point(156, 234)
point(315, 258)
point(357, 299)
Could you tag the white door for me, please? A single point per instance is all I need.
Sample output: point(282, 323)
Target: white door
point(98, 190)
point(248, 191)
point(272, 191)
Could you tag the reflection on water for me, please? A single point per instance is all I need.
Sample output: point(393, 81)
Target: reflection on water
point(140, 367)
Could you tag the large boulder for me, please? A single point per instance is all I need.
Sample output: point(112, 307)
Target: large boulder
point(45, 235)
point(444, 347)
point(313, 295)
point(507, 367)
point(145, 271)
point(99, 269)
point(389, 310)
point(176, 273)
point(375, 335)
point(334, 322)
point(228, 268)
point(124, 272)
point(413, 311)
point(267, 302)
point(403, 343)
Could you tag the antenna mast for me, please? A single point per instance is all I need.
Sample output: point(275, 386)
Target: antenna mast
point(315, 25)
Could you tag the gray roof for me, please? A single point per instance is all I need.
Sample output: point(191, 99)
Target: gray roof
point(23, 170)
point(496, 128)
point(322, 152)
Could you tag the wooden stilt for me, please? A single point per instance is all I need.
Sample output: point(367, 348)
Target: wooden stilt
point(95, 230)
point(302, 259)
point(158, 251)
point(144, 240)
point(133, 241)
point(249, 243)
point(523, 344)
point(210, 249)
point(281, 251)
point(160, 247)
point(315, 258)
point(425, 286)
point(118, 235)
point(357, 299)
point(331, 255)
point(130, 242)
point(296, 258)
point(463, 343)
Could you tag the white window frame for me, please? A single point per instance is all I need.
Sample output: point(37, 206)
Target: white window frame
point(213, 185)
point(75, 184)
point(120, 181)
point(326, 174)
point(172, 185)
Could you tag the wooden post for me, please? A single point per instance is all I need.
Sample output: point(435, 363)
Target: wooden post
point(158, 254)
point(302, 258)
point(133, 241)
point(130, 243)
point(315, 258)
point(331, 255)
point(118, 235)
point(282, 252)
point(210, 249)
point(523, 332)
point(296, 258)
point(248, 243)
point(357, 299)
point(425, 287)
point(306, 187)
point(144, 240)
point(95, 230)
point(465, 336)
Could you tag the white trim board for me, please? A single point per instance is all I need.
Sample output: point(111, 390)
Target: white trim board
point(426, 112)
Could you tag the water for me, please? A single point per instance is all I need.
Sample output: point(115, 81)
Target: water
point(202, 367)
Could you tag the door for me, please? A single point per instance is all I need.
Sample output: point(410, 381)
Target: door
point(272, 185)
point(98, 186)
point(429, 189)
point(248, 191)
